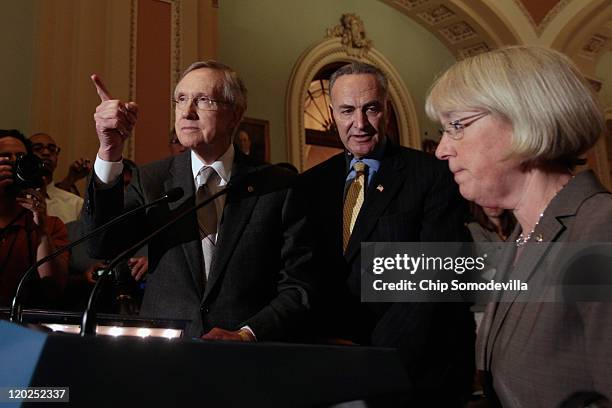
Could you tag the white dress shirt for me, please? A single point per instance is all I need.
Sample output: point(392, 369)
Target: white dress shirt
point(62, 204)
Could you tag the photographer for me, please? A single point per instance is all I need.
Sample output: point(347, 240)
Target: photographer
point(60, 202)
point(27, 234)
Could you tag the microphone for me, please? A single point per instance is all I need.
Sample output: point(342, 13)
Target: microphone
point(15, 315)
point(88, 321)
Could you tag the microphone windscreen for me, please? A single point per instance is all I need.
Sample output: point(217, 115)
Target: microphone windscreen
point(174, 194)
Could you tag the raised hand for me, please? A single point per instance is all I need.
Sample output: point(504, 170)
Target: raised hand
point(115, 120)
point(79, 169)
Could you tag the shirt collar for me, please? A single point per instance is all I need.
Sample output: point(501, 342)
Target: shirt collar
point(51, 189)
point(223, 165)
point(372, 160)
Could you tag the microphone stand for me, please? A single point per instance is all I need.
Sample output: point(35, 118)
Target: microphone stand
point(15, 315)
point(88, 322)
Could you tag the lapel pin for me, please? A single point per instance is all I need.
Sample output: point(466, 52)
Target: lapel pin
point(250, 189)
point(380, 188)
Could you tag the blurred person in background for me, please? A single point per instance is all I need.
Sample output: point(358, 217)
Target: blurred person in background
point(60, 203)
point(27, 233)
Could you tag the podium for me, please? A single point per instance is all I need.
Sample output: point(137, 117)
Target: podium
point(131, 371)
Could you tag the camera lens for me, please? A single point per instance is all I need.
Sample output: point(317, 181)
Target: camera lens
point(28, 170)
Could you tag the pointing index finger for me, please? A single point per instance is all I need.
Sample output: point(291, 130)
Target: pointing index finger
point(101, 88)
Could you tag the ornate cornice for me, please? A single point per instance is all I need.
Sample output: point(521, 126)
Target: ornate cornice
point(351, 31)
point(464, 30)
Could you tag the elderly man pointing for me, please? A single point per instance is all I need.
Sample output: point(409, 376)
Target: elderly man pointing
point(238, 269)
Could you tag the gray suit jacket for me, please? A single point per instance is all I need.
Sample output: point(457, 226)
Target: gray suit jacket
point(259, 275)
point(537, 354)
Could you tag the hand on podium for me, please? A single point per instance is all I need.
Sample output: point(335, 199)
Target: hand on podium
point(220, 334)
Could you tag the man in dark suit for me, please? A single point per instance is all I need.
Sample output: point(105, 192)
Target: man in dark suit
point(238, 269)
point(395, 195)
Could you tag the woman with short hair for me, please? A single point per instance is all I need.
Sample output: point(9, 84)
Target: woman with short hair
point(516, 121)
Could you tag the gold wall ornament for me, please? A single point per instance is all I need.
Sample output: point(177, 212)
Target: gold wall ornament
point(352, 33)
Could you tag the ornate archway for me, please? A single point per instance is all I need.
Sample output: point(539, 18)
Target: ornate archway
point(585, 38)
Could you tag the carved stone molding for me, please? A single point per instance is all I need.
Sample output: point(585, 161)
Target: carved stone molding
point(410, 4)
point(474, 50)
point(351, 31)
point(436, 15)
point(466, 28)
point(459, 32)
point(594, 46)
point(332, 50)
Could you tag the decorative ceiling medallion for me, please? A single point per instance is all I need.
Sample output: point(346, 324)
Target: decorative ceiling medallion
point(352, 33)
point(458, 32)
point(410, 4)
point(436, 15)
point(473, 50)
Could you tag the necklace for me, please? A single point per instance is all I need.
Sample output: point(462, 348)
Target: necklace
point(523, 239)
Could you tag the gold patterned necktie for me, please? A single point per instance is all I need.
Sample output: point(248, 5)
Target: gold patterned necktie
point(207, 217)
point(353, 202)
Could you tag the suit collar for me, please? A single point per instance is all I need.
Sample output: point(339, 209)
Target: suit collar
point(563, 206)
point(180, 175)
point(237, 212)
point(583, 186)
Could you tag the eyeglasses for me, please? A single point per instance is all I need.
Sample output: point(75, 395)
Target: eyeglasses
point(454, 129)
point(202, 103)
point(12, 156)
point(39, 147)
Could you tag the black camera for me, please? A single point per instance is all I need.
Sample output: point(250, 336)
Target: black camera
point(28, 171)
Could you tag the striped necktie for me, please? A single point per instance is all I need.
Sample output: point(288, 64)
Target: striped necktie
point(353, 202)
point(207, 217)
